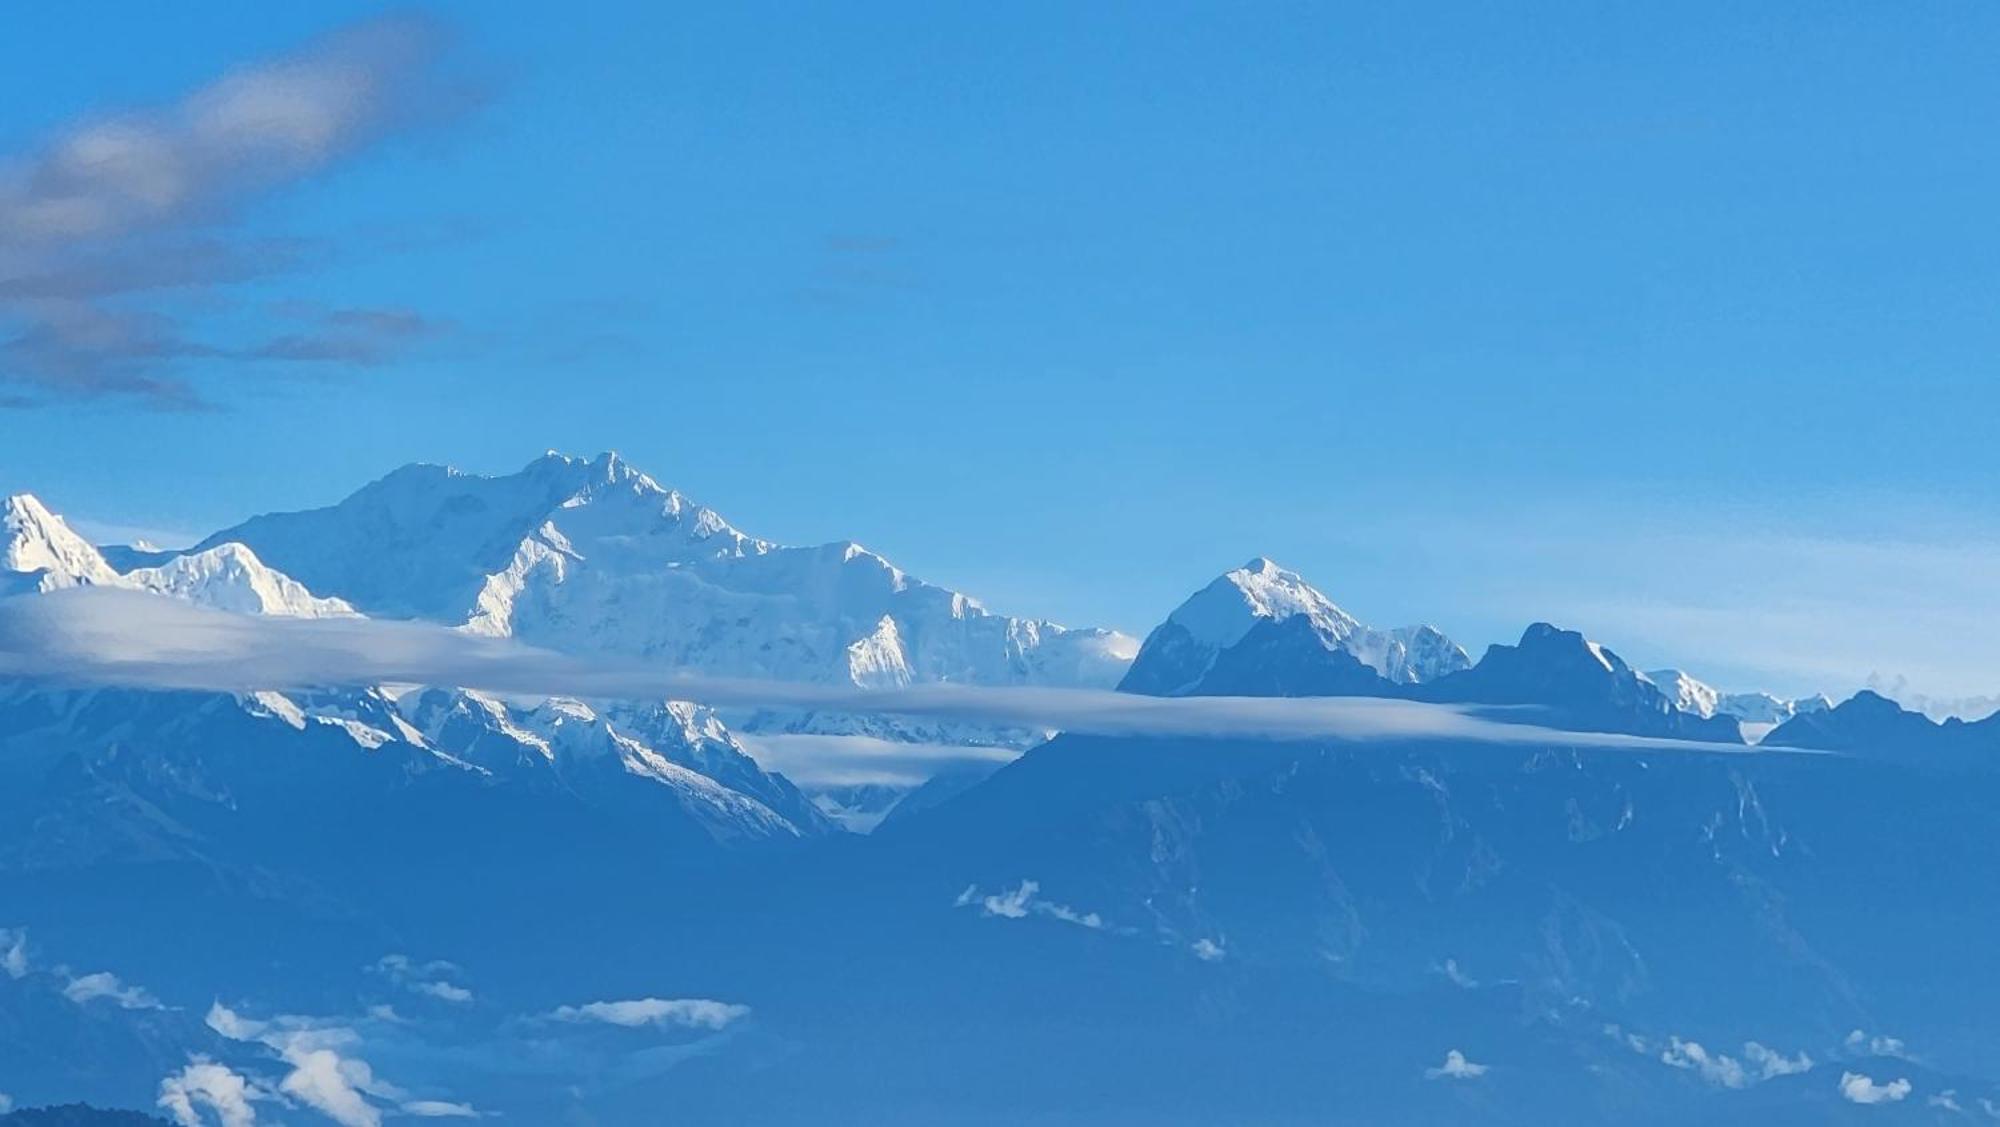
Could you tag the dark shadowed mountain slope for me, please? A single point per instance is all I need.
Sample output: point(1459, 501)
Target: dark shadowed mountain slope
point(1873, 725)
point(1578, 684)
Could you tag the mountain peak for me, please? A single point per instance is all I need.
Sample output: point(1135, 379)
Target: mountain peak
point(1869, 723)
point(1583, 685)
point(37, 540)
point(1178, 656)
point(1548, 639)
point(1221, 613)
point(229, 576)
point(595, 555)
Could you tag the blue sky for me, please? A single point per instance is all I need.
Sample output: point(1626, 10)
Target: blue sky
point(1676, 324)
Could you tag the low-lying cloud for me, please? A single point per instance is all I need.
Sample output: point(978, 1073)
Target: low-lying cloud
point(1455, 1067)
point(1859, 1088)
point(817, 760)
point(633, 1013)
point(1024, 900)
point(106, 986)
point(434, 979)
point(132, 639)
point(206, 1085)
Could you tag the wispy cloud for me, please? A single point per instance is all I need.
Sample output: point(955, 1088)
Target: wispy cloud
point(82, 989)
point(1862, 1043)
point(429, 980)
point(103, 636)
point(688, 1013)
point(1770, 1064)
point(114, 217)
point(815, 760)
point(1024, 900)
point(14, 953)
point(106, 986)
point(439, 1109)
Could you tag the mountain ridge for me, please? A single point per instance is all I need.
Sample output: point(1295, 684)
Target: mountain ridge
point(562, 552)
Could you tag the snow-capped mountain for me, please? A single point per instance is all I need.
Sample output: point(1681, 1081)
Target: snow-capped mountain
point(670, 760)
point(231, 577)
point(594, 556)
point(1263, 631)
point(600, 754)
point(42, 553)
point(1702, 699)
point(1181, 651)
point(198, 756)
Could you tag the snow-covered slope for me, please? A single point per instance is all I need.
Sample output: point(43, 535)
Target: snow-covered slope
point(654, 752)
point(1758, 713)
point(595, 556)
point(1685, 692)
point(671, 766)
point(43, 552)
point(231, 577)
point(1184, 648)
point(617, 758)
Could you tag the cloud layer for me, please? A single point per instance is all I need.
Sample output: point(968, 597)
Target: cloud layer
point(107, 637)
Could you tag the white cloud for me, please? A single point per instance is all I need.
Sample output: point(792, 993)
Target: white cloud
point(381, 1066)
point(1856, 1088)
point(333, 1085)
point(324, 1072)
point(1875, 1045)
point(105, 985)
point(1209, 951)
point(1008, 905)
point(1946, 1100)
point(692, 1013)
point(1715, 1068)
point(431, 980)
point(1770, 1063)
point(1022, 901)
point(1456, 976)
point(232, 1025)
point(14, 953)
point(439, 1109)
point(1455, 1067)
point(1759, 1062)
point(817, 760)
point(203, 1084)
point(1632, 1041)
point(103, 636)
